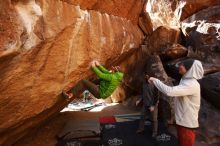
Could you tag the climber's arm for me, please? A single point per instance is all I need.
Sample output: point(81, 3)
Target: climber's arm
point(103, 69)
point(105, 76)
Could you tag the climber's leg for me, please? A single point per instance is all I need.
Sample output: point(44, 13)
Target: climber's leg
point(144, 114)
point(80, 87)
point(93, 88)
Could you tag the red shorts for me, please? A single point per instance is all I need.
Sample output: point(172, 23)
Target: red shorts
point(186, 136)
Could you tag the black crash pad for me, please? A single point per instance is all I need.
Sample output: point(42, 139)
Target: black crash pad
point(124, 134)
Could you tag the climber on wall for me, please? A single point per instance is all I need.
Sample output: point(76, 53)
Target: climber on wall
point(150, 99)
point(109, 82)
point(187, 102)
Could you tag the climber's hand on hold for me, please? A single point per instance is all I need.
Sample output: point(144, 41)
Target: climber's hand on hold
point(97, 63)
point(93, 64)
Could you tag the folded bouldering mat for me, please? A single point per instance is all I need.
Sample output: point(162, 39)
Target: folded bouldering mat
point(119, 118)
point(127, 117)
point(80, 133)
point(124, 134)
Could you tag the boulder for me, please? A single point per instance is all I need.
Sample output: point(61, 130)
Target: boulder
point(209, 117)
point(10, 30)
point(173, 51)
point(145, 23)
point(161, 38)
point(193, 6)
point(203, 36)
point(170, 13)
point(129, 9)
point(210, 89)
point(54, 44)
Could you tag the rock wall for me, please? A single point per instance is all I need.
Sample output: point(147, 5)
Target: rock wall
point(122, 8)
point(210, 89)
point(194, 6)
point(47, 46)
point(170, 13)
point(209, 126)
point(202, 32)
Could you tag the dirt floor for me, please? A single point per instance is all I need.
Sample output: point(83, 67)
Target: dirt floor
point(46, 134)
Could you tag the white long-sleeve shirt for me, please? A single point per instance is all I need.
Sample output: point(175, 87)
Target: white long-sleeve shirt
point(187, 96)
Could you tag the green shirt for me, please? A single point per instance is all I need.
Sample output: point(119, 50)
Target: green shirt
point(109, 81)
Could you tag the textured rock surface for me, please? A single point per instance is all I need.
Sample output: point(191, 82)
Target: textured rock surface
point(161, 38)
point(210, 89)
point(173, 51)
point(209, 118)
point(202, 40)
point(170, 13)
point(202, 34)
point(55, 43)
point(10, 30)
point(123, 8)
point(193, 6)
point(47, 46)
point(145, 23)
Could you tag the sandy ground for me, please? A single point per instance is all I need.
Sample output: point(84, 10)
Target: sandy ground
point(46, 134)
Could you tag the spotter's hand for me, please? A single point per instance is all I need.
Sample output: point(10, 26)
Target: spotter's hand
point(151, 79)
